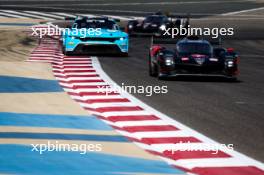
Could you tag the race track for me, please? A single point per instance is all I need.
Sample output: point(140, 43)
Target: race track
point(228, 112)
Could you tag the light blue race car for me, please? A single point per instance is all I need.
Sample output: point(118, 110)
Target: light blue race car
point(93, 36)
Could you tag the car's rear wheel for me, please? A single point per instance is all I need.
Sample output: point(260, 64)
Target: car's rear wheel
point(231, 76)
point(159, 74)
point(152, 68)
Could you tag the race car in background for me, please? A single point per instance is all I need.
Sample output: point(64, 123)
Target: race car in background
point(156, 24)
point(95, 36)
point(192, 56)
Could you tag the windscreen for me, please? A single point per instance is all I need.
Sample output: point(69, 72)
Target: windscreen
point(194, 48)
point(91, 23)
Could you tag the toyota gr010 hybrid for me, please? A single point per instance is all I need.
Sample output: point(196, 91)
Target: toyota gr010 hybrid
point(95, 36)
point(192, 57)
point(156, 24)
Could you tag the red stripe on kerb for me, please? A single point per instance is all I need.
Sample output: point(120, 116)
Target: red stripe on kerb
point(114, 109)
point(78, 76)
point(72, 71)
point(82, 81)
point(241, 170)
point(148, 128)
point(43, 49)
point(84, 66)
point(132, 118)
point(77, 60)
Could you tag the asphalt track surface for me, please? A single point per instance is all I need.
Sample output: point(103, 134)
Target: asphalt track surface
point(136, 7)
point(231, 113)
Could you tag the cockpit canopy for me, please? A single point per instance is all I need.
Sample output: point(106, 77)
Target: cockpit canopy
point(187, 48)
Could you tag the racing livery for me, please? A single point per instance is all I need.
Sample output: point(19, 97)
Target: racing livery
point(156, 24)
point(95, 36)
point(192, 56)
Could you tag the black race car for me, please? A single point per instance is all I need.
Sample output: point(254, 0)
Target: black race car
point(192, 56)
point(156, 24)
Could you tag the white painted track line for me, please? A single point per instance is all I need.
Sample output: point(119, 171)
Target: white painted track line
point(26, 14)
point(64, 14)
point(49, 15)
point(11, 15)
point(242, 11)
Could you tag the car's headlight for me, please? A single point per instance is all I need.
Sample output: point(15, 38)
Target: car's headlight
point(169, 61)
point(71, 43)
point(162, 27)
point(130, 26)
point(213, 59)
point(122, 38)
point(230, 63)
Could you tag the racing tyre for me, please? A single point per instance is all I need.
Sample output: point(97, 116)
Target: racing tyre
point(159, 75)
point(68, 53)
point(63, 50)
point(152, 68)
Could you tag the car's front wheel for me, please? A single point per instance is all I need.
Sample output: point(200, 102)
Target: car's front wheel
point(68, 53)
point(63, 50)
point(124, 54)
point(159, 74)
point(231, 78)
